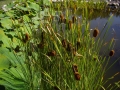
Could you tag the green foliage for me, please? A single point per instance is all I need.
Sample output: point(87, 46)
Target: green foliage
point(38, 52)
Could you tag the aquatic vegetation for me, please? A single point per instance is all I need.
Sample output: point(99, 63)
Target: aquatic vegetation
point(49, 49)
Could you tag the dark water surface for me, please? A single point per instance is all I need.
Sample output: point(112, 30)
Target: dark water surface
point(114, 32)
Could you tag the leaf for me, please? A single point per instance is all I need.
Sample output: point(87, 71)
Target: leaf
point(4, 63)
point(26, 18)
point(10, 13)
point(34, 6)
point(46, 2)
point(6, 23)
point(4, 39)
point(2, 15)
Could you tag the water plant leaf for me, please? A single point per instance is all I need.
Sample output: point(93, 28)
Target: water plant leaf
point(6, 23)
point(10, 13)
point(34, 6)
point(26, 18)
point(46, 2)
point(4, 63)
point(4, 39)
point(2, 15)
point(22, 8)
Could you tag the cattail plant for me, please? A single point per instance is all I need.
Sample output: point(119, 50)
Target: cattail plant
point(74, 19)
point(69, 47)
point(70, 25)
point(52, 53)
point(78, 44)
point(111, 53)
point(64, 43)
point(95, 32)
point(75, 68)
point(77, 76)
point(26, 38)
point(56, 88)
point(61, 18)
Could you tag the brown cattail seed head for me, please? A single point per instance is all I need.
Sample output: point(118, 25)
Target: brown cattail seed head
point(95, 32)
point(64, 43)
point(41, 45)
point(51, 53)
point(69, 47)
point(74, 19)
point(75, 68)
point(78, 45)
point(61, 18)
point(112, 52)
point(77, 76)
point(26, 38)
point(56, 88)
point(74, 51)
point(42, 36)
point(70, 24)
point(95, 58)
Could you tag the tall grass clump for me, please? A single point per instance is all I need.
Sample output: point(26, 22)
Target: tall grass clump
point(49, 49)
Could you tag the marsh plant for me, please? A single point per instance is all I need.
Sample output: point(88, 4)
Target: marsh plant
point(42, 48)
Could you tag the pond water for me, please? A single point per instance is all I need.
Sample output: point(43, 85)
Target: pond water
point(113, 32)
point(97, 19)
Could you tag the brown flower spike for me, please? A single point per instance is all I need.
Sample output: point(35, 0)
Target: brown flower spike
point(70, 24)
point(56, 88)
point(41, 45)
point(75, 68)
point(95, 32)
point(77, 76)
point(74, 19)
point(61, 18)
point(112, 52)
point(64, 43)
point(26, 38)
point(78, 45)
point(69, 47)
point(51, 53)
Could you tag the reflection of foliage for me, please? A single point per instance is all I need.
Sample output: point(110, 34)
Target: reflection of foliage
point(98, 13)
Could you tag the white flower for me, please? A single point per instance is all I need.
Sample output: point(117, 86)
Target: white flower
point(4, 7)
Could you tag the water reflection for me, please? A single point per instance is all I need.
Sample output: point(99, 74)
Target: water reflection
point(97, 13)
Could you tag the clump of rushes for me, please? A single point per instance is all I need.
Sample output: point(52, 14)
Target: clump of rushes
point(26, 38)
point(75, 68)
point(51, 53)
point(74, 19)
point(77, 76)
point(70, 24)
point(111, 53)
point(95, 32)
point(64, 43)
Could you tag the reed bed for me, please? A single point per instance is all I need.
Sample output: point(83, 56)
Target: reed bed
point(54, 50)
